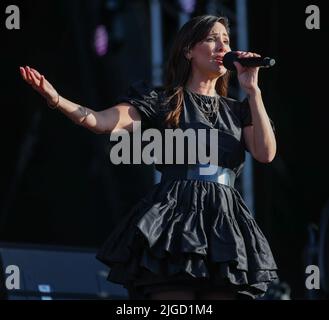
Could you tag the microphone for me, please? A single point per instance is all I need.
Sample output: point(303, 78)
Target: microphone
point(232, 56)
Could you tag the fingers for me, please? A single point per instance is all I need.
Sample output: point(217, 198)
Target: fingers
point(36, 73)
point(244, 54)
point(33, 77)
point(23, 73)
point(29, 78)
point(42, 82)
point(30, 75)
point(35, 81)
point(39, 78)
point(238, 66)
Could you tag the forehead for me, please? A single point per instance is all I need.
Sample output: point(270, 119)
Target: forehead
point(218, 28)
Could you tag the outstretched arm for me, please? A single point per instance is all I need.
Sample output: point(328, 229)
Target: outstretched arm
point(109, 120)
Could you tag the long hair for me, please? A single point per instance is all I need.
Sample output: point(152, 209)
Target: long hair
point(178, 68)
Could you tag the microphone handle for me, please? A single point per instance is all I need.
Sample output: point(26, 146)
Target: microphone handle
point(256, 62)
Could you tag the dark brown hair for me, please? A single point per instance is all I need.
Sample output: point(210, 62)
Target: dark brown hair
point(178, 68)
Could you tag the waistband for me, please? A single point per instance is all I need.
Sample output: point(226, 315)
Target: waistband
point(203, 172)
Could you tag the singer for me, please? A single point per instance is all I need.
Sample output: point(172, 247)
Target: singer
point(191, 236)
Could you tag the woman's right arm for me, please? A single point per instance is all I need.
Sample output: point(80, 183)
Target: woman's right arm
point(113, 119)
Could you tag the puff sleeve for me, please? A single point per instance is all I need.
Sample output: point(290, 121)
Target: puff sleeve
point(245, 115)
point(145, 98)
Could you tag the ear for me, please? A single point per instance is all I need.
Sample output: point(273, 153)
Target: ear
point(187, 54)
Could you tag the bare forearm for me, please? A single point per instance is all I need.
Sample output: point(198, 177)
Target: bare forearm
point(264, 138)
point(80, 115)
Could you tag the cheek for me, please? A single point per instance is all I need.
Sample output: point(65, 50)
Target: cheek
point(206, 52)
point(210, 47)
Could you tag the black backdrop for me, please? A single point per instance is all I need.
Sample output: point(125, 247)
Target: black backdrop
point(58, 186)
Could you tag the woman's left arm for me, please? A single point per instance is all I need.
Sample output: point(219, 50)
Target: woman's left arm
point(259, 138)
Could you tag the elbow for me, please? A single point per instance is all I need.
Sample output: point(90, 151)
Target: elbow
point(91, 124)
point(97, 130)
point(265, 158)
point(93, 129)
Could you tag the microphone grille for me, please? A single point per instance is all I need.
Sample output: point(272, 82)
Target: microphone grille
point(228, 60)
point(269, 62)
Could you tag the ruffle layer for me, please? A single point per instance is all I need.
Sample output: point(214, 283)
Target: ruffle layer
point(195, 228)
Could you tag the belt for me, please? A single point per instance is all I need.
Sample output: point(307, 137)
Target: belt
point(203, 172)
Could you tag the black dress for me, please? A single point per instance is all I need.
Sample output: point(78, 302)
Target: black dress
point(191, 234)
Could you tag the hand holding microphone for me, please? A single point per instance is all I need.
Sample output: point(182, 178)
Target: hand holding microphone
point(249, 61)
point(247, 65)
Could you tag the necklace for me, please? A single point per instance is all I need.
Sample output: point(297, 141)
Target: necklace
point(208, 105)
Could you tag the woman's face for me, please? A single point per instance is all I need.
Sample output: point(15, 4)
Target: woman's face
point(207, 55)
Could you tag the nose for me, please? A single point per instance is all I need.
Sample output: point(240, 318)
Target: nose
point(221, 46)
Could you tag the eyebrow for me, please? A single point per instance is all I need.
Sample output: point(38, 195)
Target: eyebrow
point(216, 33)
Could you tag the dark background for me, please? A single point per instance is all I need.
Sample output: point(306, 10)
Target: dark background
point(57, 184)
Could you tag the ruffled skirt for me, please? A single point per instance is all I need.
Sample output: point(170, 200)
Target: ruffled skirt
point(190, 229)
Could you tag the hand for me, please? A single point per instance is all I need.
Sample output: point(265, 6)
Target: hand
point(40, 84)
point(247, 76)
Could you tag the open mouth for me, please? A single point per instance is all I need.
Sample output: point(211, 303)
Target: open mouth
point(219, 61)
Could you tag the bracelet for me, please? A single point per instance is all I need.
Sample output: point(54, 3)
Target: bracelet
point(56, 104)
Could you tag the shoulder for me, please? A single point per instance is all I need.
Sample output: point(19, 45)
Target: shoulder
point(147, 99)
point(241, 109)
point(143, 89)
point(140, 93)
point(233, 104)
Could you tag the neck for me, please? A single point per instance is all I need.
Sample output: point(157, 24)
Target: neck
point(202, 85)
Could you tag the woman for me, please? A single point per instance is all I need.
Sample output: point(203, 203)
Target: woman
point(191, 236)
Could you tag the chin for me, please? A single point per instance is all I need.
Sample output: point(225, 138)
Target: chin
point(220, 72)
point(223, 71)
